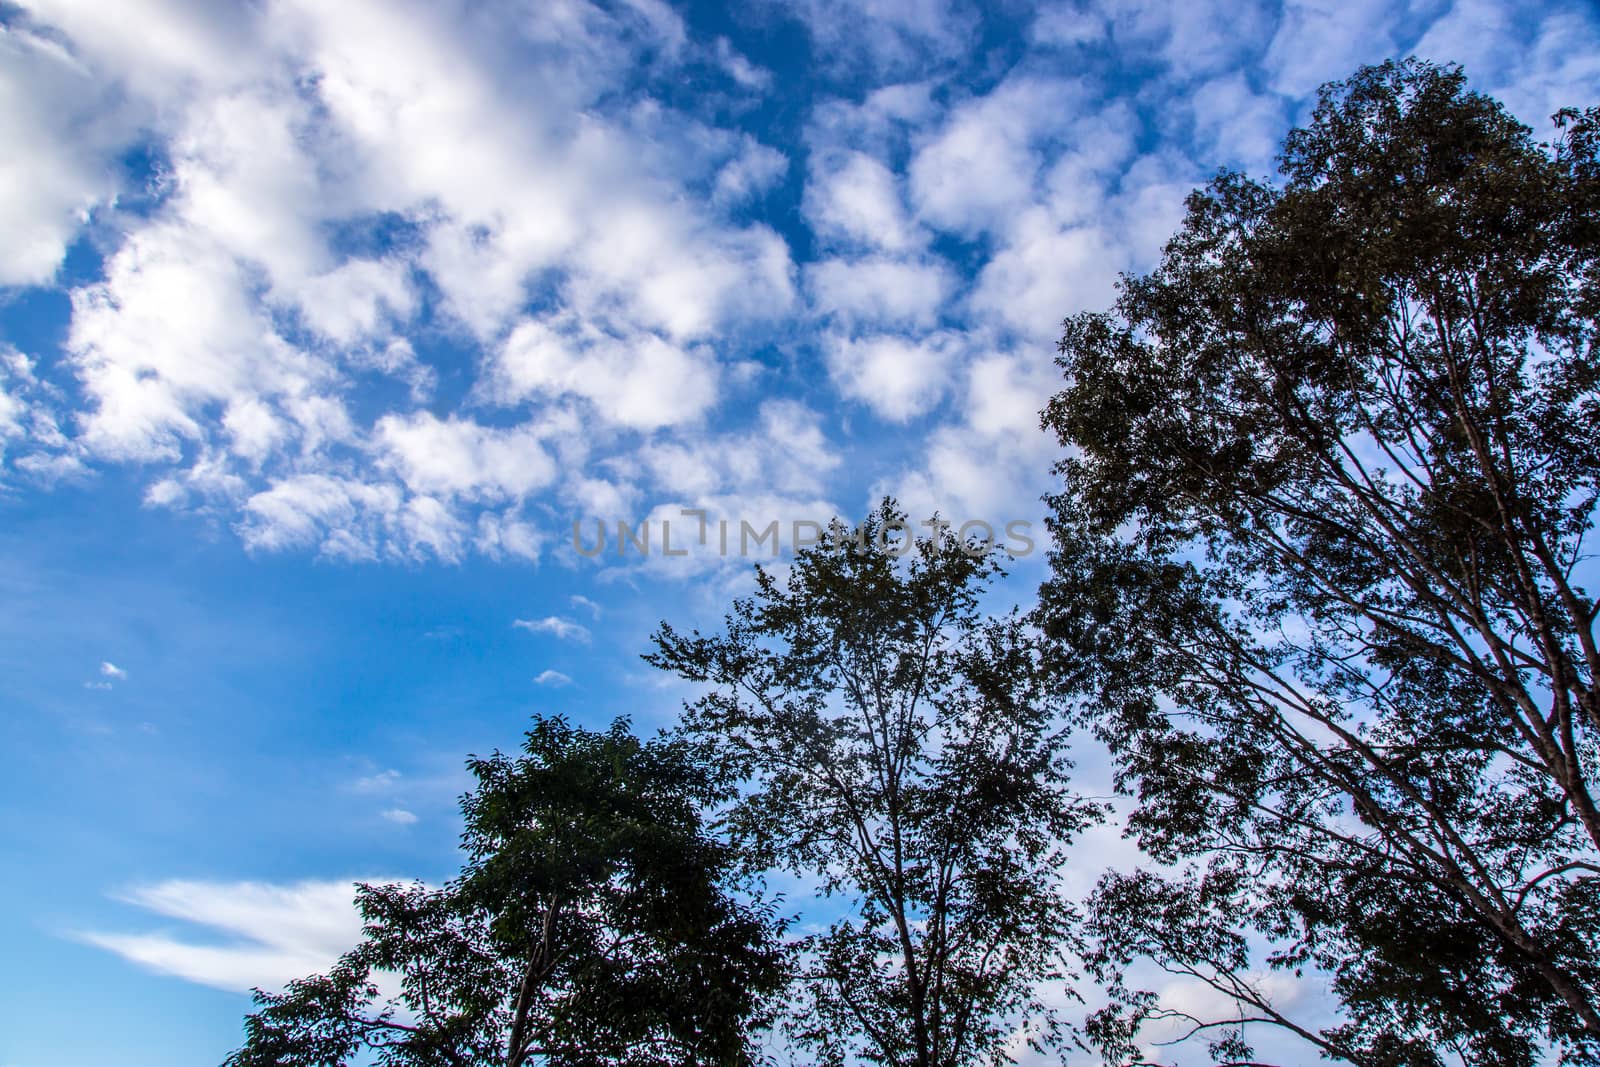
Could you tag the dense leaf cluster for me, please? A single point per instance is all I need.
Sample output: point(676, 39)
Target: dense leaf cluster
point(592, 924)
point(1320, 573)
point(907, 751)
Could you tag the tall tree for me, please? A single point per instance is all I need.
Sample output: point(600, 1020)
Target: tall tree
point(903, 749)
point(592, 924)
point(1321, 562)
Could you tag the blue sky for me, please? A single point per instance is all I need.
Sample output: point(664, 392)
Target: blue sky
point(321, 323)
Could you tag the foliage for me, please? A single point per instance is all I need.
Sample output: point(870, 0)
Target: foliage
point(1319, 566)
point(592, 923)
point(905, 751)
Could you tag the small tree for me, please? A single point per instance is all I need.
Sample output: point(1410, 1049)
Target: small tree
point(591, 924)
point(1320, 565)
point(905, 751)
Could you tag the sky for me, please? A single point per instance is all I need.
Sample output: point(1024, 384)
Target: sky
point(322, 324)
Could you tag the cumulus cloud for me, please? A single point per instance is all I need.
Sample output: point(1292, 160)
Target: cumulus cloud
point(1322, 39)
point(880, 290)
point(399, 816)
point(750, 173)
point(455, 457)
point(111, 670)
point(883, 39)
point(1237, 125)
point(1536, 58)
point(856, 199)
point(340, 517)
point(787, 450)
point(640, 381)
point(47, 182)
point(897, 377)
point(1189, 38)
point(979, 169)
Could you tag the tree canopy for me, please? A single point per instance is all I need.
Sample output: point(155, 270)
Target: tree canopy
point(1320, 574)
point(594, 922)
point(905, 751)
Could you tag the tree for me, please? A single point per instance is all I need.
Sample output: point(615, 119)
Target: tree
point(592, 923)
point(905, 751)
point(1319, 570)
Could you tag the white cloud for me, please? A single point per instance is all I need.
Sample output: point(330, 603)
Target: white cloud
point(169, 334)
point(455, 457)
point(1535, 59)
point(1319, 40)
point(160, 47)
point(1063, 255)
point(1067, 24)
point(506, 535)
point(641, 381)
point(380, 782)
point(554, 679)
point(47, 181)
point(399, 816)
point(556, 626)
point(340, 517)
point(519, 189)
point(30, 427)
point(1237, 126)
point(884, 39)
point(1046, 272)
point(752, 172)
point(348, 304)
point(898, 377)
point(263, 935)
point(12, 409)
point(579, 601)
point(880, 290)
point(992, 464)
point(739, 68)
point(1192, 37)
point(111, 670)
point(979, 170)
point(855, 198)
point(786, 451)
point(405, 284)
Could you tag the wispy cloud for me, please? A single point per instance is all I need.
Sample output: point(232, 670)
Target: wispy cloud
point(577, 600)
point(556, 626)
point(381, 782)
point(241, 934)
point(111, 670)
point(399, 816)
point(555, 679)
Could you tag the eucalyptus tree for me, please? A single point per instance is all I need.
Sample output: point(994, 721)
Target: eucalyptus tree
point(1321, 568)
point(594, 922)
point(904, 751)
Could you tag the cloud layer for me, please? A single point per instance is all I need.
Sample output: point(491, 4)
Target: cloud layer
point(393, 280)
